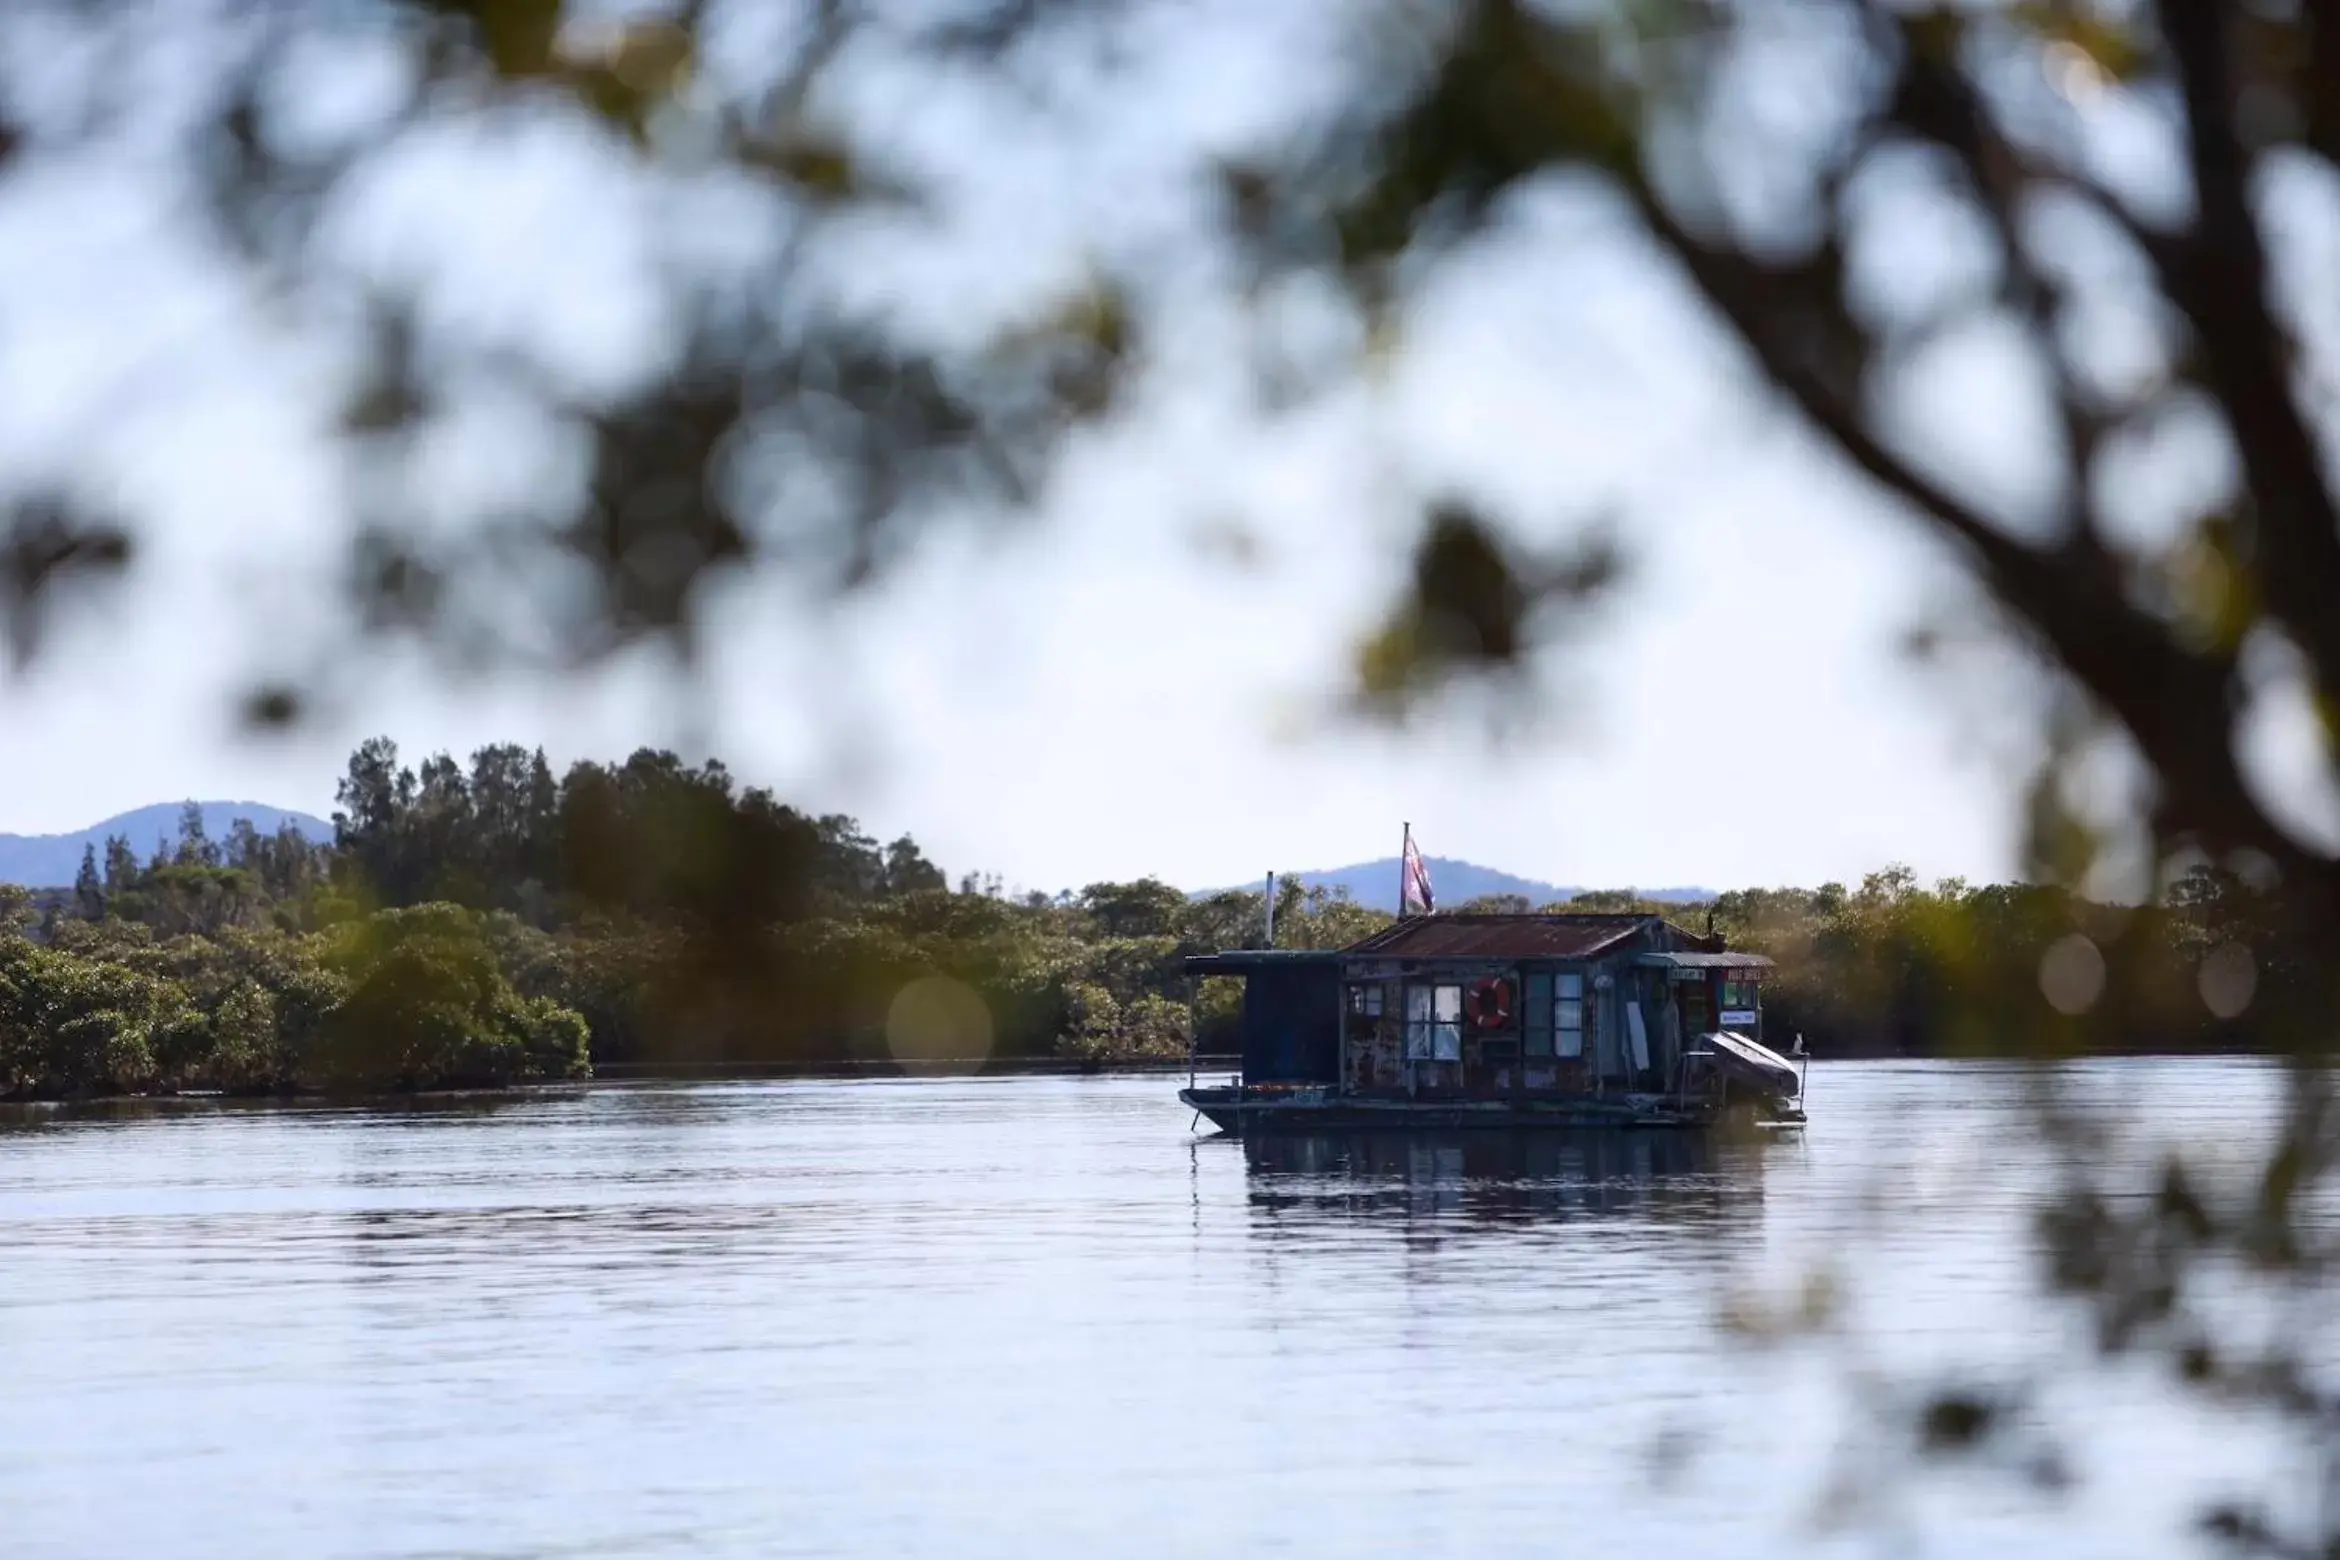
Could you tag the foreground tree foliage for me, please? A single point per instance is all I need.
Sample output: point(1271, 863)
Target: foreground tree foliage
point(2119, 201)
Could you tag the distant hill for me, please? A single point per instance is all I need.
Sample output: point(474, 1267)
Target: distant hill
point(1375, 883)
point(51, 860)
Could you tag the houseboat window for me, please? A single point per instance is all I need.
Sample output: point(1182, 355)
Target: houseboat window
point(1536, 1020)
point(1568, 1015)
point(1738, 994)
point(1434, 1023)
point(1365, 1001)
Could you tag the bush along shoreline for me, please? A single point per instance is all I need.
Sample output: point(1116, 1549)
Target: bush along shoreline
point(488, 925)
point(491, 924)
point(392, 1001)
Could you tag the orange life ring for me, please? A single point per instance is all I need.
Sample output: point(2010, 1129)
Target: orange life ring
point(1487, 1003)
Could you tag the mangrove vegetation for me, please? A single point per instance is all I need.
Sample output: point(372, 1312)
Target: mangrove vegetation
point(493, 923)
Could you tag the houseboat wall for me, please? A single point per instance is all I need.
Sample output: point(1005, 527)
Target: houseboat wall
point(1596, 1005)
point(1291, 1020)
point(1590, 1005)
point(1406, 1028)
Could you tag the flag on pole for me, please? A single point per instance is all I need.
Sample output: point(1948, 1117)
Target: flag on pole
point(1415, 896)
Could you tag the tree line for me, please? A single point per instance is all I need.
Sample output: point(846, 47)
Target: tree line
point(494, 922)
point(1894, 967)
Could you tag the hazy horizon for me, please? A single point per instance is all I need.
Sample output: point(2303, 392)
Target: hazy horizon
point(159, 820)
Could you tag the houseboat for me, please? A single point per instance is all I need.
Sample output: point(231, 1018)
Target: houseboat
point(1470, 1020)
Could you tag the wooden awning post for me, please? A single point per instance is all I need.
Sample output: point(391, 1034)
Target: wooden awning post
point(1193, 1029)
point(1341, 1032)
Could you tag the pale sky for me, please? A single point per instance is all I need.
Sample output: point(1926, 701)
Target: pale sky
point(1103, 689)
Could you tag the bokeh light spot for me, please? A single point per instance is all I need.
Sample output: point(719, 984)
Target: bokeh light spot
point(2229, 978)
point(2071, 974)
point(939, 1024)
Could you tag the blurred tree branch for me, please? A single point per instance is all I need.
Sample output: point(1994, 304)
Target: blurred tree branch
point(776, 431)
point(779, 432)
point(1617, 93)
point(1515, 94)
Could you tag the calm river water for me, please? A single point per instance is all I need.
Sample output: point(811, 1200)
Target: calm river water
point(1035, 1317)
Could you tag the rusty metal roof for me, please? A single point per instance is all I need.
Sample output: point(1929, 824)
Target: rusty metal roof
point(1466, 936)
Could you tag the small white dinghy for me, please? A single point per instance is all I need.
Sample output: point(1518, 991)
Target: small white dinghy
point(1752, 1066)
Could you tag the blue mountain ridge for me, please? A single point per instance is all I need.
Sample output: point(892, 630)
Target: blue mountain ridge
point(51, 860)
point(1375, 883)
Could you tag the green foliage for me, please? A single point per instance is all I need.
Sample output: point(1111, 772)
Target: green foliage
point(277, 966)
point(652, 915)
point(556, 1041)
point(1092, 1020)
point(1494, 904)
point(89, 895)
point(247, 1050)
point(68, 1023)
point(1154, 1027)
point(650, 838)
point(1100, 1029)
point(429, 1004)
point(490, 924)
point(200, 885)
point(1894, 968)
point(398, 999)
point(1218, 1013)
point(1148, 907)
point(1616, 901)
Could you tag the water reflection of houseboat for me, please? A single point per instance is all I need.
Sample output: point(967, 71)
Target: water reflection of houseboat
point(1506, 1177)
point(1510, 1021)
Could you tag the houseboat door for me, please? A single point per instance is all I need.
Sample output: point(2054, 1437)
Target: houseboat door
point(1697, 999)
point(1434, 1028)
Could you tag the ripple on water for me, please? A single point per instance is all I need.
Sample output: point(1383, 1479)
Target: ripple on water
point(1009, 1317)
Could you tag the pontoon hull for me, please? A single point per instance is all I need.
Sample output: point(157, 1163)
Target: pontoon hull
point(1240, 1110)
